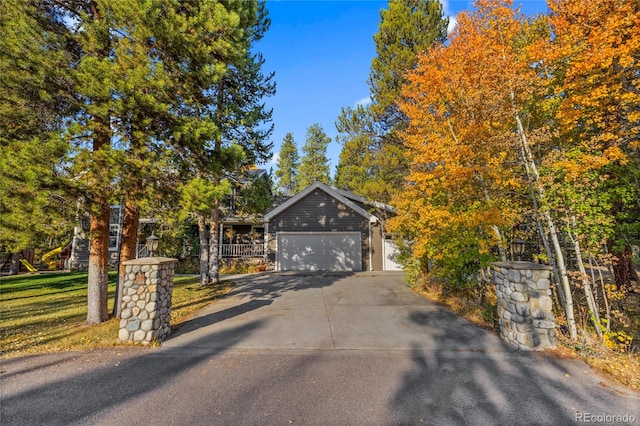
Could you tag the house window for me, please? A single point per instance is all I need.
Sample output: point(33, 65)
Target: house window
point(114, 237)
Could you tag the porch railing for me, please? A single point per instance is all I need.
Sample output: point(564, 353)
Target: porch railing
point(243, 250)
point(228, 250)
point(142, 251)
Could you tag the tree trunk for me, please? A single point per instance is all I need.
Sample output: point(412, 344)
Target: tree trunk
point(534, 178)
point(14, 266)
point(559, 256)
point(586, 284)
point(98, 280)
point(214, 253)
point(128, 248)
point(204, 249)
point(605, 299)
point(543, 234)
point(624, 270)
point(562, 271)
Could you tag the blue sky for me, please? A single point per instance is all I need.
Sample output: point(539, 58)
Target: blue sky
point(321, 52)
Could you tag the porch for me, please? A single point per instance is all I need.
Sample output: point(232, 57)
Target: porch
point(251, 250)
point(236, 240)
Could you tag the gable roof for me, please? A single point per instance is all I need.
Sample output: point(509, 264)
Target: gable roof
point(330, 191)
point(365, 201)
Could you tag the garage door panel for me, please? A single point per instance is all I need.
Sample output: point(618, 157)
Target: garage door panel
point(319, 251)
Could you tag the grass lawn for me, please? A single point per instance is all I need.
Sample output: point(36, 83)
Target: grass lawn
point(47, 312)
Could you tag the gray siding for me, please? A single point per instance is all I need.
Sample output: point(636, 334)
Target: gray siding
point(319, 212)
point(82, 244)
point(376, 243)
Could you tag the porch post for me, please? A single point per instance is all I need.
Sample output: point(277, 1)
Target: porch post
point(370, 247)
point(266, 241)
point(220, 242)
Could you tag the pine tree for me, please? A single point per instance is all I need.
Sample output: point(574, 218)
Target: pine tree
point(287, 167)
point(218, 113)
point(35, 212)
point(240, 112)
point(96, 166)
point(407, 28)
point(314, 166)
point(256, 196)
point(141, 123)
point(357, 136)
point(134, 75)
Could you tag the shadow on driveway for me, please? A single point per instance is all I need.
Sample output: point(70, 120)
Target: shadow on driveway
point(79, 397)
point(498, 384)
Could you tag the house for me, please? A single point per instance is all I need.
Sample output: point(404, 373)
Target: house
point(319, 228)
point(241, 233)
point(79, 256)
point(323, 228)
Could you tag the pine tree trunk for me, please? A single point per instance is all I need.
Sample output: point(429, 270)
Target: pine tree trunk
point(128, 248)
point(214, 253)
point(98, 280)
point(204, 249)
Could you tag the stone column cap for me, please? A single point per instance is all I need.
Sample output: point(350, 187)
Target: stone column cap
point(522, 265)
point(150, 261)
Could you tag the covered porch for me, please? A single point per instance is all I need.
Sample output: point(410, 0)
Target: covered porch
point(239, 239)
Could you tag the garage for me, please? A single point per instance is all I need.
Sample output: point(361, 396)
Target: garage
point(319, 251)
point(326, 229)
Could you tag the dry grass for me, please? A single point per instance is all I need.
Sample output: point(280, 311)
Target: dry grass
point(623, 368)
point(47, 312)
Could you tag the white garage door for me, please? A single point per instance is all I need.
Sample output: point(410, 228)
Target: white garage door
point(315, 251)
point(390, 253)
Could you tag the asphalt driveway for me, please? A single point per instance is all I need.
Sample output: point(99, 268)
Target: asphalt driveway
point(317, 349)
point(330, 311)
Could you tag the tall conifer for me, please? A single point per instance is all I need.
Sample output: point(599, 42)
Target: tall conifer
point(314, 166)
point(287, 167)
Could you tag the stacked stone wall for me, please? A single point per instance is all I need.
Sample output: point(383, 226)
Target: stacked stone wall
point(524, 304)
point(146, 300)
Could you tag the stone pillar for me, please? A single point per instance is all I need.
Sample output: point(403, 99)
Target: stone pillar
point(146, 299)
point(524, 304)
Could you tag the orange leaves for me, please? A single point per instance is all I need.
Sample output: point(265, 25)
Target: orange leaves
point(460, 138)
point(581, 163)
point(595, 52)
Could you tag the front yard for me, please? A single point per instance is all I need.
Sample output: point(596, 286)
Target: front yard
point(46, 312)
